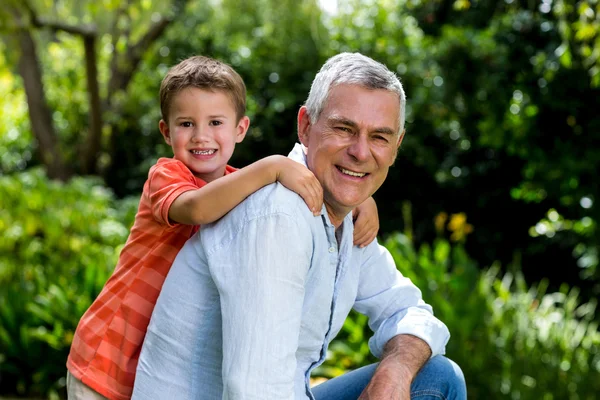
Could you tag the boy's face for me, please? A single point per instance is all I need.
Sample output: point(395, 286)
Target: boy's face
point(203, 130)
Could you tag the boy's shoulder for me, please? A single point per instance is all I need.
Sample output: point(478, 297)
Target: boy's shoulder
point(169, 173)
point(169, 164)
point(166, 164)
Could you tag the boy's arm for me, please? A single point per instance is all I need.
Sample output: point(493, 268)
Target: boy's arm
point(217, 198)
point(366, 223)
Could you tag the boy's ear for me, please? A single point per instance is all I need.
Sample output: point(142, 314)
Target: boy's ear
point(303, 126)
point(242, 128)
point(164, 129)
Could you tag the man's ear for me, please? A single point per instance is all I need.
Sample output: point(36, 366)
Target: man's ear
point(398, 145)
point(164, 129)
point(303, 126)
point(401, 138)
point(242, 128)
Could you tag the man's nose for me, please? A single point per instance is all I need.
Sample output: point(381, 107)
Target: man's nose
point(359, 149)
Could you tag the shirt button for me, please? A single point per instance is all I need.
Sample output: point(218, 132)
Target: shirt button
point(332, 249)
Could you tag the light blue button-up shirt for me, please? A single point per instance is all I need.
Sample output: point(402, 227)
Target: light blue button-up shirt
point(252, 302)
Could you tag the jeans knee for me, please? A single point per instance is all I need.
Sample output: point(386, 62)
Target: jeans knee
point(440, 378)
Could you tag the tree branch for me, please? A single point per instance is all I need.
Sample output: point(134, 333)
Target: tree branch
point(87, 30)
point(40, 22)
point(92, 145)
point(128, 61)
point(88, 33)
point(39, 112)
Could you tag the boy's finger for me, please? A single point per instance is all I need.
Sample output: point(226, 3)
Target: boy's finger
point(315, 199)
point(359, 238)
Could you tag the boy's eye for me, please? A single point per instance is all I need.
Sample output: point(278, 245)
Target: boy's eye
point(186, 124)
point(215, 123)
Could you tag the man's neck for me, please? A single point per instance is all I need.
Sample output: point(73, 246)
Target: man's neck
point(335, 216)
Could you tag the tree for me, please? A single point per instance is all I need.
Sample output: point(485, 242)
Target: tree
point(133, 27)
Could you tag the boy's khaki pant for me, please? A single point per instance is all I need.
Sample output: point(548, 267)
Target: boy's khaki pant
point(77, 390)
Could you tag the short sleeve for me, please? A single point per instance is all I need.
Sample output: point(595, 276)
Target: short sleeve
point(167, 180)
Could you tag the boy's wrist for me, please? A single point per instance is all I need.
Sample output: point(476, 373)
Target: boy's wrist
point(276, 165)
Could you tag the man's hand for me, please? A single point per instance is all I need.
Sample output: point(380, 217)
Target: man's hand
point(403, 357)
point(366, 222)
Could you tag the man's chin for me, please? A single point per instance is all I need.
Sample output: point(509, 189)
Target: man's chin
point(342, 207)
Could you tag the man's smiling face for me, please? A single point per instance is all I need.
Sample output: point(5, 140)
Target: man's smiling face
point(352, 145)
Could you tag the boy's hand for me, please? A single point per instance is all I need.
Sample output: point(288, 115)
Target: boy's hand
point(301, 180)
point(366, 222)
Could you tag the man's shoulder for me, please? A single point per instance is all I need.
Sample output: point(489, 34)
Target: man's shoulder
point(269, 201)
point(272, 199)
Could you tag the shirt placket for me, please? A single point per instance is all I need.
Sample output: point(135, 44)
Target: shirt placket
point(335, 261)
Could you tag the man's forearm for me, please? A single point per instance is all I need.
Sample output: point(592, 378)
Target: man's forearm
point(403, 357)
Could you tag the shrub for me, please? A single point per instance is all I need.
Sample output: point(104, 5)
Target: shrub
point(60, 242)
point(58, 245)
point(510, 340)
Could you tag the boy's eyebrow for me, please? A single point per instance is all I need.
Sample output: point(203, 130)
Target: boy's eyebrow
point(210, 116)
point(345, 121)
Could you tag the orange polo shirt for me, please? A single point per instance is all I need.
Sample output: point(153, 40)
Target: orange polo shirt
point(108, 339)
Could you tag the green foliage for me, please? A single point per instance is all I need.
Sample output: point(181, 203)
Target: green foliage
point(501, 100)
point(16, 147)
point(502, 123)
point(58, 245)
point(510, 340)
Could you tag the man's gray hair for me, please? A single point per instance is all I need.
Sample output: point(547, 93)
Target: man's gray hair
point(352, 69)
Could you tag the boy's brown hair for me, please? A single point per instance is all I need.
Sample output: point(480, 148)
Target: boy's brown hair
point(202, 73)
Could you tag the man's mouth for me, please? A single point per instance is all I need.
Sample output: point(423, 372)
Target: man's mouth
point(351, 173)
point(203, 152)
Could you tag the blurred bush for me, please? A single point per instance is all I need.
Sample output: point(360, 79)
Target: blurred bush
point(60, 242)
point(58, 245)
point(511, 341)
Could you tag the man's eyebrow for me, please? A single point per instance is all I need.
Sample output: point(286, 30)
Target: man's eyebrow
point(343, 121)
point(384, 130)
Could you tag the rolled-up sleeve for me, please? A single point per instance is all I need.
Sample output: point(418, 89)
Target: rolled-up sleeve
point(394, 304)
point(260, 275)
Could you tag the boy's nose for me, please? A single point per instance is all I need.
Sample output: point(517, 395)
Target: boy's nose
point(199, 135)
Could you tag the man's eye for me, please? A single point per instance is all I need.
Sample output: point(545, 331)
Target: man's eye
point(381, 138)
point(343, 129)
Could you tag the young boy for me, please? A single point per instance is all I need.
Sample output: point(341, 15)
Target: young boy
point(203, 105)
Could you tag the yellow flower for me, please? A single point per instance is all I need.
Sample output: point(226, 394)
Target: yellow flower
point(440, 222)
point(459, 227)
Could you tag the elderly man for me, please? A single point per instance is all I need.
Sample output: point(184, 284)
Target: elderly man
point(252, 302)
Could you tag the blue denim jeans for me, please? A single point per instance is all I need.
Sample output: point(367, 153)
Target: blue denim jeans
point(439, 379)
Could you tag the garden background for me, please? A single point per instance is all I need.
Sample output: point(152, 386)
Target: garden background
point(491, 207)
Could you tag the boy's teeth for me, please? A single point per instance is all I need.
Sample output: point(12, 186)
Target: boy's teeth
point(203, 152)
point(352, 173)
